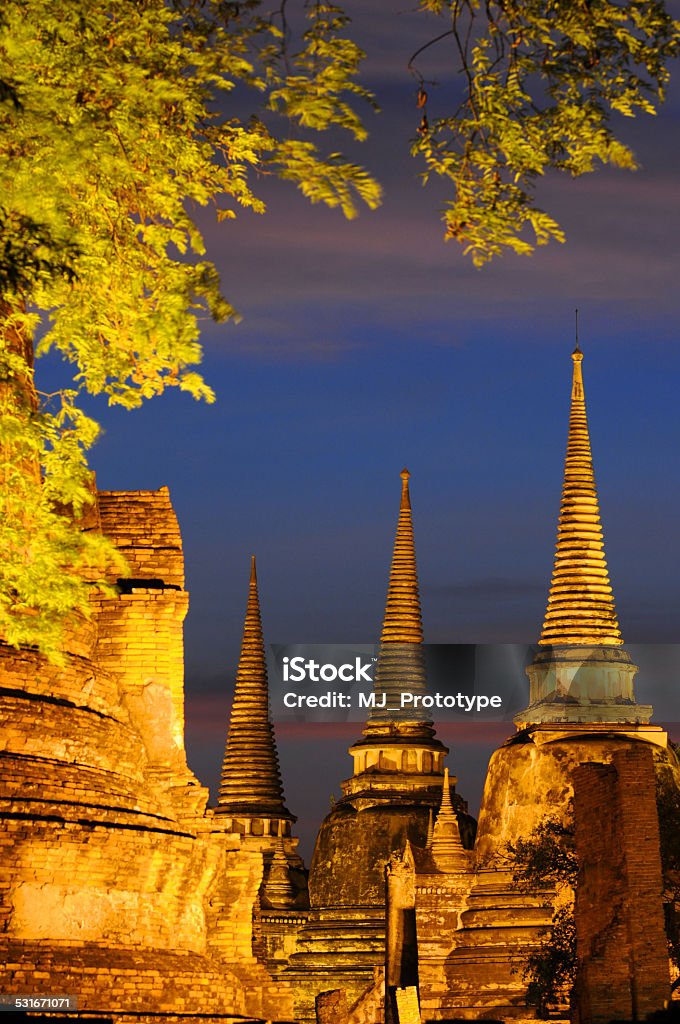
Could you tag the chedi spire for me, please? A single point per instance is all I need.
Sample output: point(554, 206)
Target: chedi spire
point(251, 780)
point(401, 664)
point(581, 673)
point(403, 619)
point(580, 604)
point(399, 735)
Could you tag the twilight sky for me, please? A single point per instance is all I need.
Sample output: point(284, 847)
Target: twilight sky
point(372, 344)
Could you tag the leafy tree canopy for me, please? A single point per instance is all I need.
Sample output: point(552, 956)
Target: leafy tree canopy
point(117, 120)
point(540, 81)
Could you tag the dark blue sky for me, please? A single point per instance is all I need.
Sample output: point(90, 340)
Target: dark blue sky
point(369, 345)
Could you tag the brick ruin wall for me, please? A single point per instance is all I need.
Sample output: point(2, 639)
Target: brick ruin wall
point(623, 971)
point(116, 884)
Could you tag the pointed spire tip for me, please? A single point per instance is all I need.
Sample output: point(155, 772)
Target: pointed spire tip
point(253, 569)
point(405, 496)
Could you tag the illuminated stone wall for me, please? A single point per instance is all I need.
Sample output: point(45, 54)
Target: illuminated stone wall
point(116, 884)
point(440, 899)
point(140, 634)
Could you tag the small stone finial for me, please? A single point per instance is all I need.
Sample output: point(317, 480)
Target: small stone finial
point(253, 569)
point(278, 888)
point(446, 804)
point(447, 848)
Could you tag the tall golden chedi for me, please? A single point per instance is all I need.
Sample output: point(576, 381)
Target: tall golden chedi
point(582, 710)
point(396, 784)
point(583, 674)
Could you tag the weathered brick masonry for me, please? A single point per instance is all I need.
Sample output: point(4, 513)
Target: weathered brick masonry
point(622, 950)
point(117, 884)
